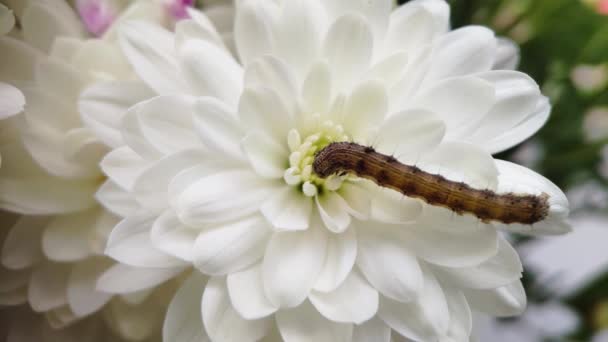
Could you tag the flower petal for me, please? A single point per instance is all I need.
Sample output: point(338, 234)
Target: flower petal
point(425, 319)
point(47, 287)
point(169, 235)
point(304, 323)
point(408, 134)
point(66, 237)
point(247, 295)
point(507, 55)
point(461, 102)
point(266, 156)
point(461, 320)
point(43, 21)
point(116, 199)
point(217, 75)
point(390, 206)
point(82, 294)
point(231, 247)
point(366, 107)
point(291, 265)
point(288, 210)
point(354, 301)
point(124, 279)
point(506, 301)
point(453, 246)
point(12, 100)
point(217, 127)
point(184, 321)
point(102, 106)
point(462, 51)
point(334, 212)
point(500, 270)
point(21, 248)
point(149, 49)
point(372, 330)
point(252, 32)
point(348, 48)
point(130, 244)
point(340, 259)
point(358, 203)
point(275, 73)
point(262, 109)
point(222, 322)
point(387, 263)
point(222, 196)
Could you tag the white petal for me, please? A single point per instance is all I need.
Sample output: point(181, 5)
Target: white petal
point(123, 166)
point(171, 236)
point(291, 265)
point(372, 330)
point(273, 72)
point(354, 301)
point(151, 186)
point(303, 22)
point(453, 246)
point(366, 107)
point(130, 243)
point(166, 133)
point(20, 56)
point(47, 287)
point(266, 156)
point(386, 261)
point(417, 21)
point(217, 75)
point(221, 196)
point(517, 96)
point(358, 203)
point(424, 319)
point(116, 199)
point(341, 255)
point(317, 88)
point(183, 321)
point(102, 106)
point(43, 21)
point(149, 49)
point(247, 295)
point(333, 211)
point(21, 248)
point(408, 134)
point(252, 30)
point(222, 322)
point(66, 238)
point(262, 109)
point(518, 179)
point(304, 323)
point(231, 247)
point(12, 100)
point(390, 206)
point(522, 130)
point(507, 55)
point(500, 270)
point(288, 209)
point(461, 320)
point(348, 47)
point(126, 279)
point(461, 102)
point(504, 301)
point(462, 162)
point(82, 294)
point(217, 127)
point(7, 20)
point(376, 12)
point(461, 52)
point(200, 27)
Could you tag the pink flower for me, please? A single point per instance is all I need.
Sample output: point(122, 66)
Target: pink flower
point(178, 8)
point(96, 15)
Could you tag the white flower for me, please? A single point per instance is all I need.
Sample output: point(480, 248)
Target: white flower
point(220, 165)
point(52, 257)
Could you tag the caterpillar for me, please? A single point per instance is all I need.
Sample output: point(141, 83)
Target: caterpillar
point(387, 171)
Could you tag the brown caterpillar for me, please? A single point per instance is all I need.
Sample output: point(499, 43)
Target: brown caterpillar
point(386, 171)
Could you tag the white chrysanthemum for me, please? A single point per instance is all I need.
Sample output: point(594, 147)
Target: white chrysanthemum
point(52, 257)
point(220, 165)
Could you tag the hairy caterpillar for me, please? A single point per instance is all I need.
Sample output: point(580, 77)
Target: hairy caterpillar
point(386, 171)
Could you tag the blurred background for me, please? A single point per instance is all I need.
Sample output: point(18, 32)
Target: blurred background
point(564, 47)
